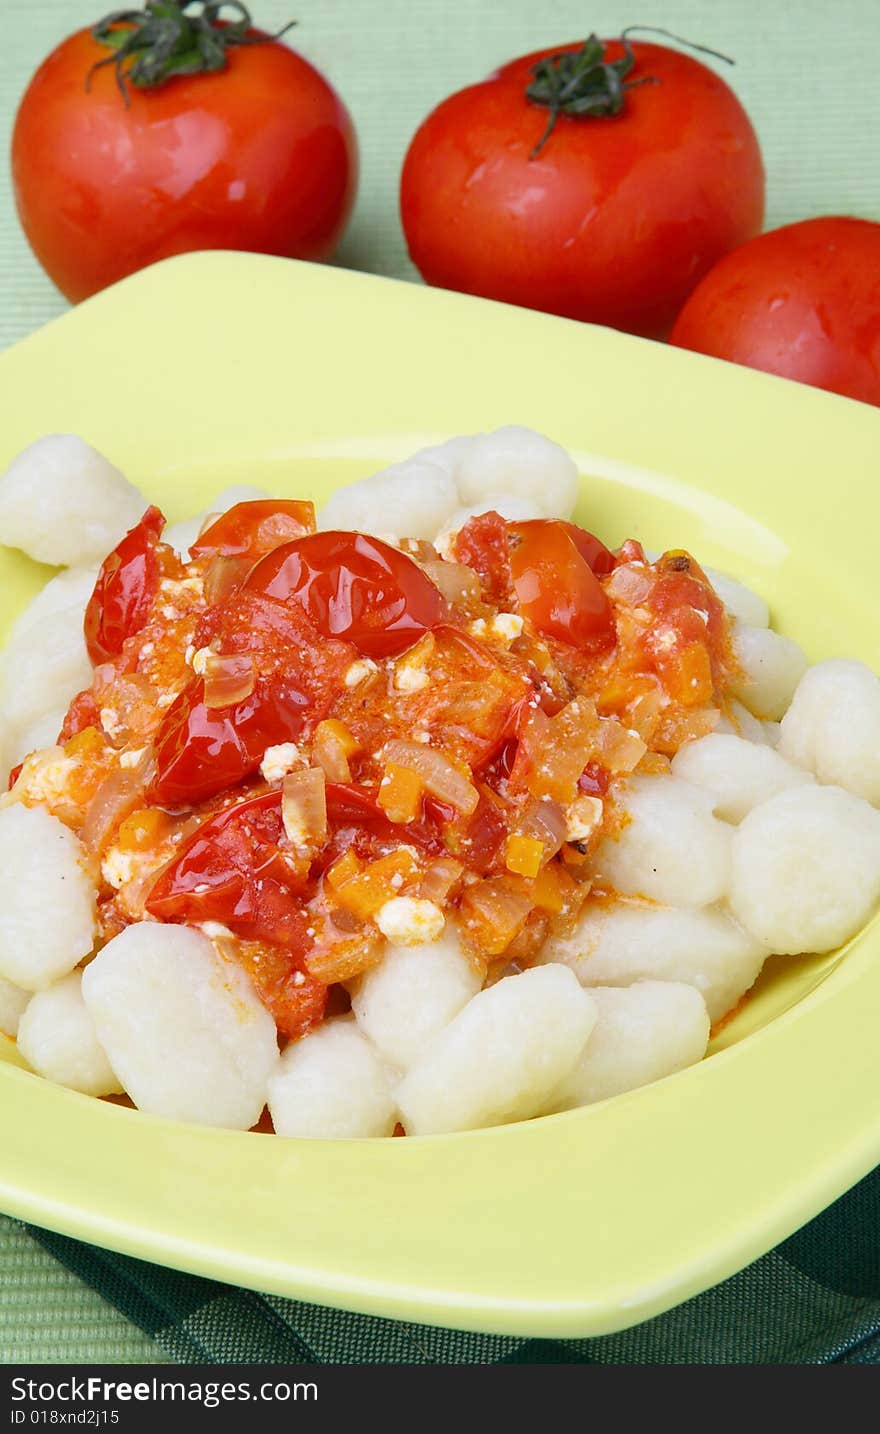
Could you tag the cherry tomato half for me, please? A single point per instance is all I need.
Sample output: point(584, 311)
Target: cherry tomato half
point(125, 591)
point(200, 749)
point(553, 566)
point(250, 530)
point(352, 587)
point(232, 870)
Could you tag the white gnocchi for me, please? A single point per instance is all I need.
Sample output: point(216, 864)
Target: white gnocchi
point(670, 846)
point(56, 1036)
point(739, 775)
point(332, 1085)
point(47, 900)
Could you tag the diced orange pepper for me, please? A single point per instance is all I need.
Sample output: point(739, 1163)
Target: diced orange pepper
point(381, 880)
point(332, 746)
point(87, 743)
point(552, 889)
point(400, 793)
point(343, 869)
point(142, 830)
point(523, 855)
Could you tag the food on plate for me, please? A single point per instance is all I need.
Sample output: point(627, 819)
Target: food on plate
point(167, 129)
point(802, 302)
point(425, 814)
point(599, 180)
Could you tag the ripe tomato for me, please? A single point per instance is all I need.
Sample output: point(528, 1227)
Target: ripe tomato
point(232, 870)
point(614, 220)
point(250, 530)
point(125, 591)
point(259, 155)
point(802, 301)
point(554, 567)
point(352, 587)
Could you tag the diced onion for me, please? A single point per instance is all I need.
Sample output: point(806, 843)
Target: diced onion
point(304, 808)
point(618, 748)
point(117, 797)
point(457, 583)
point(629, 584)
point(438, 774)
point(495, 911)
point(229, 679)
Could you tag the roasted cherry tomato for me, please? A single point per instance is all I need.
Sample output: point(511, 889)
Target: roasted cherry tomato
point(250, 530)
point(125, 591)
point(802, 302)
point(553, 566)
point(352, 587)
point(200, 749)
point(233, 870)
point(482, 544)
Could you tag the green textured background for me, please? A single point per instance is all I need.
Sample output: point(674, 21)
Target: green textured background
point(807, 73)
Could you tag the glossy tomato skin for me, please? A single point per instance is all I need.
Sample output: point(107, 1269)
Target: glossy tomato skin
point(554, 567)
point(616, 219)
point(125, 590)
point(352, 587)
point(250, 530)
point(802, 301)
point(259, 156)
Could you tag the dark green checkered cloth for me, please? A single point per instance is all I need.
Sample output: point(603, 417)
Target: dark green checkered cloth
point(813, 1300)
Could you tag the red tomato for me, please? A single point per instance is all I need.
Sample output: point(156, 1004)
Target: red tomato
point(125, 591)
point(260, 155)
point(232, 870)
point(352, 587)
point(200, 750)
point(618, 216)
point(553, 566)
point(802, 302)
point(482, 545)
point(250, 530)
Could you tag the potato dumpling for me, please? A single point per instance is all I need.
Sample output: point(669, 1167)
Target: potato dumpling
point(12, 1003)
point(806, 869)
point(502, 1056)
point(740, 722)
point(43, 671)
point(332, 1085)
point(182, 535)
point(57, 1038)
point(70, 588)
point(644, 1031)
point(62, 502)
point(522, 463)
point(412, 499)
point(619, 942)
point(22, 741)
point(670, 847)
point(414, 992)
point(738, 774)
point(833, 726)
point(183, 1029)
point(448, 455)
point(47, 902)
point(771, 666)
point(741, 603)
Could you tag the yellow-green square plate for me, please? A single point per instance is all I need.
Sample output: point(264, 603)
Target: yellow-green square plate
point(225, 367)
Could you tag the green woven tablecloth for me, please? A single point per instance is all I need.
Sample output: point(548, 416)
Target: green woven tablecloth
point(806, 71)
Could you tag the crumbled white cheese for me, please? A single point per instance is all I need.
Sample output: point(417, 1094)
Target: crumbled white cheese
point(120, 867)
point(503, 627)
point(409, 678)
point(174, 587)
point(410, 920)
point(359, 671)
point(278, 761)
point(582, 818)
point(44, 777)
point(132, 757)
point(199, 662)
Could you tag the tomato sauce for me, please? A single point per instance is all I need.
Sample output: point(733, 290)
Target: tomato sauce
point(294, 728)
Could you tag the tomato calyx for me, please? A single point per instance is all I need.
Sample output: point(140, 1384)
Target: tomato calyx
point(580, 83)
point(152, 45)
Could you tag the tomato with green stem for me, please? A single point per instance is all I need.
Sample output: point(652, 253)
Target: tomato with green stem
point(599, 180)
point(159, 131)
